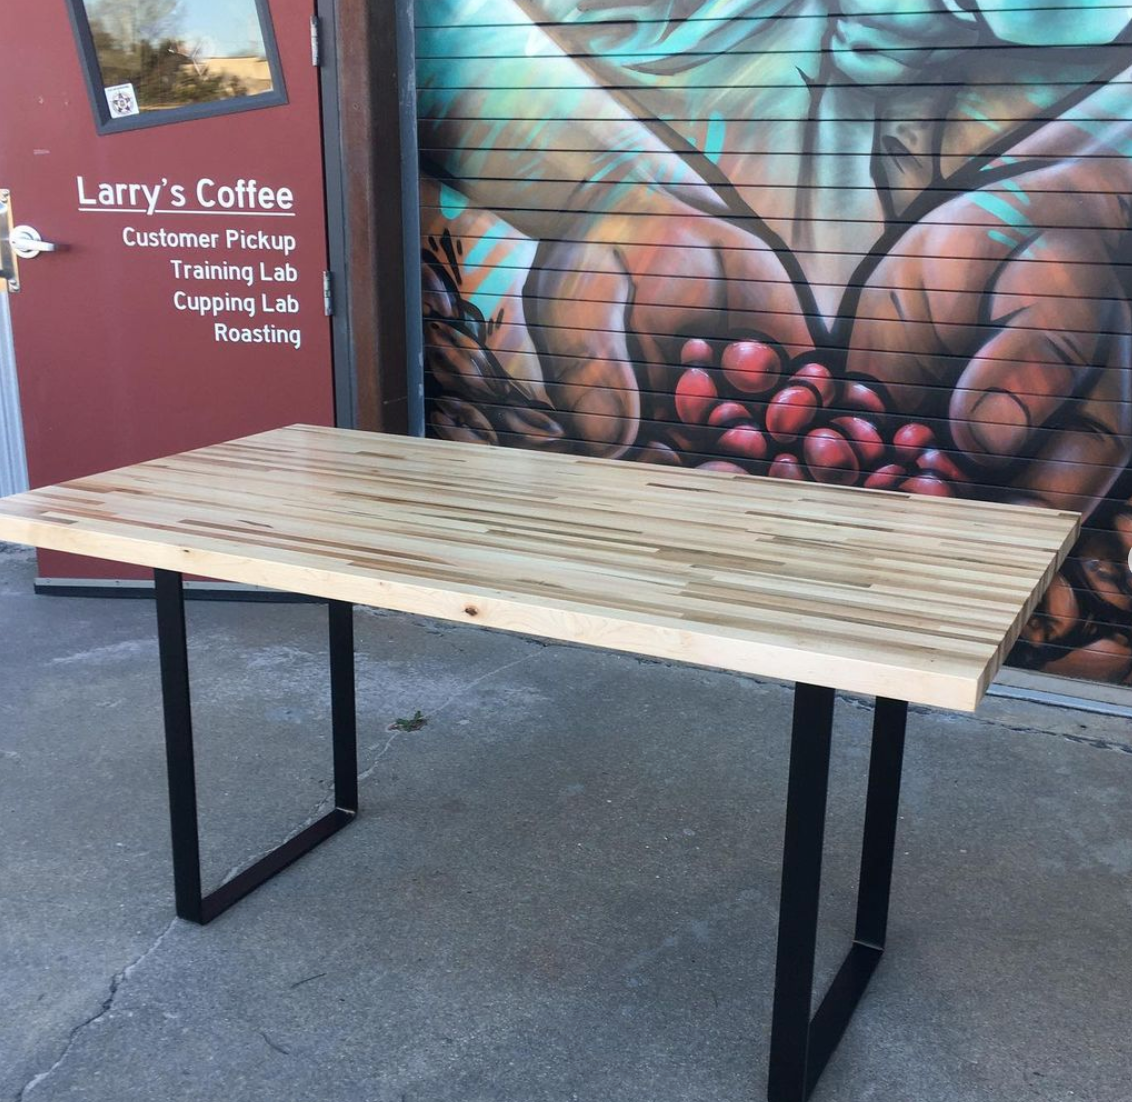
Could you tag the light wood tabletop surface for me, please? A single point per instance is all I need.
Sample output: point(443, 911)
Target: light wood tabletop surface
point(890, 594)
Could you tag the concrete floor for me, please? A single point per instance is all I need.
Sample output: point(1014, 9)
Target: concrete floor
point(563, 887)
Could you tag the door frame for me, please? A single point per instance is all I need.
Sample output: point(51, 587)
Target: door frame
point(372, 203)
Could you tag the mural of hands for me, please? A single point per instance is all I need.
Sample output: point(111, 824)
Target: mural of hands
point(1004, 319)
point(971, 333)
point(611, 312)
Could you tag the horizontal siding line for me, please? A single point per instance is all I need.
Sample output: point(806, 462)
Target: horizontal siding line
point(754, 226)
point(893, 253)
point(740, 221)
point(522, 441)
point(541, 64)
point(1049, 158)
point(942, 187)
point(1068, 652)
point(1009, 300)
point(1103, 614)
point(1090, 533)
point(839, 350)
point(975, 332)
point(618, 56)
point(618, 117)
point(609, 26)
point(895, 390)
point(1096, 616)
point(929, 7)
point(704, 436)
point(1092, 530)
point(785, 281)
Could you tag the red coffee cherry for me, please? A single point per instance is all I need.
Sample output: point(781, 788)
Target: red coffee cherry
point(790, 412)
point(910, 440)
point(697, 352)
point(695, 394)
point(787, 466)
point(859, 396)
point(866, 439)
point(933, 461)
point(817, 376)
point(927, 484)
point(887, 477)
point(830, 457)
point(721, 465)
point(744, 441)
point(728, 413)
point(751, 367)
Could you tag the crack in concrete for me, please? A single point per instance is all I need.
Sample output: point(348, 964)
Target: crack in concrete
point(1081, 740)
point(1091, 741)
point(461, 692)
point(1019, 729)
point(274, 1045)
point(116, 982)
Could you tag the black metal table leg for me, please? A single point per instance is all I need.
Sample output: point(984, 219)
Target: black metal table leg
point(172, 641)
point(801, 1046)
point(173, 647)
point(801, 892)
point(343, 705)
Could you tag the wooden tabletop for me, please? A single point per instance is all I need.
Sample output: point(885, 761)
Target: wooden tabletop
point(890, 594)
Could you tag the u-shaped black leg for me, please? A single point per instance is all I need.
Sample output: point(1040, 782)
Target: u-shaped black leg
point(173, 645)
point(801, 1045)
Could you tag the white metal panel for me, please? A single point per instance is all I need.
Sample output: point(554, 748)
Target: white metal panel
point(13, 461)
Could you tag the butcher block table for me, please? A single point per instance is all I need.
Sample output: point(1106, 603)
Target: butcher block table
point(908, 599)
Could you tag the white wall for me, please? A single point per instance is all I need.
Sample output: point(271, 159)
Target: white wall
point(13, 463)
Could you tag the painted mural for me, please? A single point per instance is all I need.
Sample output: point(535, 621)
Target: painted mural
point(871, 242)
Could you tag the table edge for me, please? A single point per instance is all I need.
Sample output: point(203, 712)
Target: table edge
point(631, 633)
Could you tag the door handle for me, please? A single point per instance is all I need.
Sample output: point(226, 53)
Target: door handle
point(17, 243)
point(26, 243)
